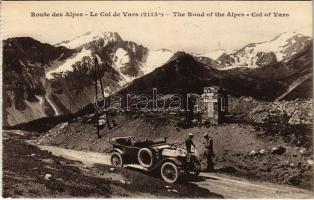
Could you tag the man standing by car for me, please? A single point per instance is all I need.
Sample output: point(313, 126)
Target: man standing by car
point(189, 143)
point(209, 152)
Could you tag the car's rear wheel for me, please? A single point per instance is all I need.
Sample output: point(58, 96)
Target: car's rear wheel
point(116, 160)
point(169, 172)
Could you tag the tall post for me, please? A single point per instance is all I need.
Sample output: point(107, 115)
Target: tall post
point(96, 93)
point(102, 92)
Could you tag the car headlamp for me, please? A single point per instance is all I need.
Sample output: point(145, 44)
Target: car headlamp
point(181, 152)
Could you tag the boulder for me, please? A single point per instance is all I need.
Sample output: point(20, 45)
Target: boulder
point(310, 162)
point(278, 150)
point(262, 151)
point(252, 153)
point(302, 151)
point(294, 180)
point(48, 176)
point(125, 182)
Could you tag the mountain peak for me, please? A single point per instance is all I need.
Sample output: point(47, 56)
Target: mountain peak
point(24, 42)
point(179, 54)
point(89, 37)
point(215, 54)
point(255, 55)
point(288, 35)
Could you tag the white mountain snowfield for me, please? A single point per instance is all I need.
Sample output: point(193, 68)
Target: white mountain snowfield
point(247, 57)
point(120, 58)
point(67, 65)
point(215, 54)
point(88, 37)
point(155, 59)
point(277, 46)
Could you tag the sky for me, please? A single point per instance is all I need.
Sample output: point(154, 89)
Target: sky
point(190, 34)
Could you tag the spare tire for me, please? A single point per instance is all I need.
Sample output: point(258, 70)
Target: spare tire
point(145, 157)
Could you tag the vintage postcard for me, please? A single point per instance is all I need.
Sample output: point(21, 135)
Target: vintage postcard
point(157, 99)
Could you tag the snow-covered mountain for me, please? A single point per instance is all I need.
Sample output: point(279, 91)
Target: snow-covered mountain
point(256, 55)
point(186, 73)
point(128, 59)
point(88, 37)
point(43, 80)
point(154, 58)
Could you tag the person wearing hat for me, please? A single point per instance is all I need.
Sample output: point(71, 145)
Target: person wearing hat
point(209, 152)
point(188, 145)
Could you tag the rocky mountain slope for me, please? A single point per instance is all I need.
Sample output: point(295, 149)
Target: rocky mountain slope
point(185, 73)
point(25, 62)
point(43, 80)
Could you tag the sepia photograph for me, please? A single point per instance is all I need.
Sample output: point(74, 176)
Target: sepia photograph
point(157, 99)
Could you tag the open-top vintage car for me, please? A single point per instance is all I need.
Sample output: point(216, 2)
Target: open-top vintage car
point(172, 161)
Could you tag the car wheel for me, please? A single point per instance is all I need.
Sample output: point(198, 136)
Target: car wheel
point(116, 160)
point(194, 168)
point(169, 172)
point(146, 157)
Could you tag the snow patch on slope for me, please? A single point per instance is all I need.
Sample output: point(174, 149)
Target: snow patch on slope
point(67, 65)
point(37, 110)
point(119, 60)
point(155, 59)
point(216, 53)
point(248, 56)
point(277, 45)
point(54, 107)
point(88, 37)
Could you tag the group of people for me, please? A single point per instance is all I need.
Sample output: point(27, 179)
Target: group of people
point(209, 149)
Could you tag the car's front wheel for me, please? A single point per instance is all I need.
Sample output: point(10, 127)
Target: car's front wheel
point(194, 167)
point(116, 160)
point(169, 172)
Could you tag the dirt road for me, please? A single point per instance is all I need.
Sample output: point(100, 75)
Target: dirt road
point(228, 186)
point(31, 172)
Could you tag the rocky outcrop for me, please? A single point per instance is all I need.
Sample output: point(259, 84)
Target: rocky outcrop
point(298, 112)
